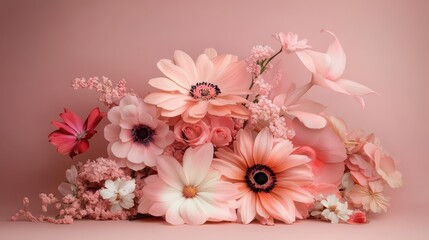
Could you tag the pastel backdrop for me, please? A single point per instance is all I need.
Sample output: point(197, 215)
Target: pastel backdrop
point(45, 44)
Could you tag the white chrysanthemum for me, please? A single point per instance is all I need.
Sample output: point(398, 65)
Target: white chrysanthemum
point(335, 210)
point(120, 193)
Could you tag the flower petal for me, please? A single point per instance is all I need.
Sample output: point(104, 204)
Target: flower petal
point(186, 63)
point(172, 215)
point(167, 85)
point(170, 171)
point(120, 149)
point(196, 163)
point(263, 146)
point(247, 209)
point(192, 213)
point(175, 73)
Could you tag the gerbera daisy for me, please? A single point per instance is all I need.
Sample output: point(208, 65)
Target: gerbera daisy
point(269, 178)
point(212, 84)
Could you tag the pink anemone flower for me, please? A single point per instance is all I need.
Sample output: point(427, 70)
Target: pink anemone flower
point(212, 84)
point(270, 179)
point(328, 67)
point(72, 135)
point(325, 149)
point(136, 136)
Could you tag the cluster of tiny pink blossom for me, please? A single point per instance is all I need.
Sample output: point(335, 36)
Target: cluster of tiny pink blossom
point(259, 54)
point(266, 112)
point(263, 110)
point(110, 94)
point(87, 202)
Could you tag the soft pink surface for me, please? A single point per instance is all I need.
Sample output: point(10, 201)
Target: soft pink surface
point(46, 44)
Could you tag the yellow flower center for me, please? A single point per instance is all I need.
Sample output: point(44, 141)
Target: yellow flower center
point(189, 191)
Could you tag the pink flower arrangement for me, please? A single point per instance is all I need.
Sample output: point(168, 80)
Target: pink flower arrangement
point(214, 143)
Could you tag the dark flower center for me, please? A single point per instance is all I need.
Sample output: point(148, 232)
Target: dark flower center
point(204, 91)
point(260, 178)
point(142, 134)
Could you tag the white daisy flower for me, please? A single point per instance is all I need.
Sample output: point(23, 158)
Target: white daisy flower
point(335, 210)
point(120, 193)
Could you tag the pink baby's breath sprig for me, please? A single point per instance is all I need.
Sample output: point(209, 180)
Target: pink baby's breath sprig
point(264, 111)
point(110, 94)
point(259, 55)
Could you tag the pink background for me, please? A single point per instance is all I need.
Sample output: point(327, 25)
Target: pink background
point(45, 44)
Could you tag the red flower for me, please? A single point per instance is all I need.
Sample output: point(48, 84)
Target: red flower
point(72, 136)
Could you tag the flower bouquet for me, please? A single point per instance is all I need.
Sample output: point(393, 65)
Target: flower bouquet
point(213, 143)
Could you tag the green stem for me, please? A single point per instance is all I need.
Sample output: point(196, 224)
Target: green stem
point(264, 65)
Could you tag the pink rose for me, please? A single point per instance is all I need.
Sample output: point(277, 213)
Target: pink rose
point(220, 136)
point(192, 134)
point(222, 129)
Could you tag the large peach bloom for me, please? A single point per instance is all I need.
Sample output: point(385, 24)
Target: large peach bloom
point(269, 177)
point(212, 84)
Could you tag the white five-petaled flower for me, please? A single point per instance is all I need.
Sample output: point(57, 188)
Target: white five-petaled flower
point(335, 210)
point(120, 193)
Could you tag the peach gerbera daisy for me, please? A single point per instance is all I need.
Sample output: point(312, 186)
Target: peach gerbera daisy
point(212, 84)
point(269, 178)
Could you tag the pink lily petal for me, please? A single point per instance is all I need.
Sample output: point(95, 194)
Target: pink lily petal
point(309, 120)
point(338, 58)
point(315, 62)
